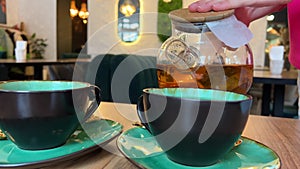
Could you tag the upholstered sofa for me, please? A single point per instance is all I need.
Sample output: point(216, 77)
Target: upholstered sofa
point(122, 77)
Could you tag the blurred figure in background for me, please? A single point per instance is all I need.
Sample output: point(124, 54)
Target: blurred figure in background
point(3, 11)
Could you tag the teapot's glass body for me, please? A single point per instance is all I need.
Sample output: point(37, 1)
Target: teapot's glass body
point(194, 57)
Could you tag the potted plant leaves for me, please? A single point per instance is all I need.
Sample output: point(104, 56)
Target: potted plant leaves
point(37, 46)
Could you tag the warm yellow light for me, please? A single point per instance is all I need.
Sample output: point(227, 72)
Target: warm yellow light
point(127, 8)
point(167, 1)
point(73, 9)
point(83, 13)
point(270, 18)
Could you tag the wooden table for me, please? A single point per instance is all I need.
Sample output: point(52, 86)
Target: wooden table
point(39, 63)
point(280, 134)
point(277, 82)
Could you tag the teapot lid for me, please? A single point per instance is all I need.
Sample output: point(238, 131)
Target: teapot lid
point(184, 15)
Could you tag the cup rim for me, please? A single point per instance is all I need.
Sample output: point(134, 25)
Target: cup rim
point(246, 96)
point(85, 85)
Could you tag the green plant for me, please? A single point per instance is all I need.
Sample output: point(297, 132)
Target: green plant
point(37, 46)
point(164, 27)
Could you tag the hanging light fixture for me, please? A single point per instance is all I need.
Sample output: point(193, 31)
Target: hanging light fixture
point(83, 13)
point(127, 8)
point(73, 9)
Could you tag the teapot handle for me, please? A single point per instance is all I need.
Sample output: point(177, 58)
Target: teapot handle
point(141, 113)
point(95, 97)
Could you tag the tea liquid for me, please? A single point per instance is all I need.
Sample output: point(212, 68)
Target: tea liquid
point(235, 78)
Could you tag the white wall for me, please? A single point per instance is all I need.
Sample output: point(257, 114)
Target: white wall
point(103, 37)
point(102, 29)
point(39, 16)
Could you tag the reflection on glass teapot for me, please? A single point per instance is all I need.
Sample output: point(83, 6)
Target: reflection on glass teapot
point(195, 57)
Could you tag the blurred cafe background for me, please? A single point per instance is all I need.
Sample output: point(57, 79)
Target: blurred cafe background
point(117, 27)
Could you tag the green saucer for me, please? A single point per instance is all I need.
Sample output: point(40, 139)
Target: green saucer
point(140, 147)
point(79, 144)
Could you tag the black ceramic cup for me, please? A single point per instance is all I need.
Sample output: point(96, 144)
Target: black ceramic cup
point(44, 114)
point(195, 127)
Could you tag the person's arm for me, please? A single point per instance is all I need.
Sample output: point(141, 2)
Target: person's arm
point(245, 10)
point(219, 5)
point(249, 14)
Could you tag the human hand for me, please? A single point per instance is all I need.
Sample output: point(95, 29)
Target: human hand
point(220, 5)
point(214, 5)
point(245, 10)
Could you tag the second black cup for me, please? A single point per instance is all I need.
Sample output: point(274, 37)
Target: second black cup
point(195, 127)
point(44, 114)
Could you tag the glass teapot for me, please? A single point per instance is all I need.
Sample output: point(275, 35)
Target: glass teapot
point(194, 57)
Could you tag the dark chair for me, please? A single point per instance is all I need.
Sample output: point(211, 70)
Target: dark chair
point(65, 72)
point(122, 78)
point(3, 69)
point(3, 73)
point(60, 72)
point(3, 55)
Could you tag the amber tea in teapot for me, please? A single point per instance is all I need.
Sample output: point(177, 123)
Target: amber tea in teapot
point(196, 56)
point(238, 77)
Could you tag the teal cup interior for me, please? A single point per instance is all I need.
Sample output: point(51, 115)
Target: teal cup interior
point(198, 94)
point(195, 127)
point(41, 86)
point(44, 114)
